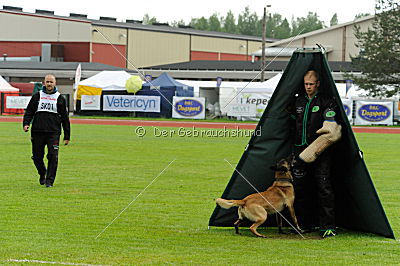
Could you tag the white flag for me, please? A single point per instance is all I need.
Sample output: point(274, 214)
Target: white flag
point(78, 73)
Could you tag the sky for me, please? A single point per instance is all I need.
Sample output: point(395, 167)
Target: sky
point(175, 10)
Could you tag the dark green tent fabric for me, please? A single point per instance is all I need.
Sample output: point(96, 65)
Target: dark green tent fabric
point(357, 204)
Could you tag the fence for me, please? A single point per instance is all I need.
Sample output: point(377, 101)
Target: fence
point(19, 102)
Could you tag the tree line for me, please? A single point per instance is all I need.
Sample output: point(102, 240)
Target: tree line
point(249, 23)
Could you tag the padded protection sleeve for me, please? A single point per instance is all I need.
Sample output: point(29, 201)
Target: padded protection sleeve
point(330, 132)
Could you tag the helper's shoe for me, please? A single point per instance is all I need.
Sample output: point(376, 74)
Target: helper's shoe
point(328, 233)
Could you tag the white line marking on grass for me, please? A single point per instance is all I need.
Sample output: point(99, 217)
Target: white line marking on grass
point(135, 198)
point(51, 262)
point(234, 168)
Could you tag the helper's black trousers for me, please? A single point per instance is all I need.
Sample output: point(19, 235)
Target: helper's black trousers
point(314, 197)
point(39, 141)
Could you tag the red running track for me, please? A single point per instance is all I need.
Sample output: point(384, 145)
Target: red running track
point(186, 124)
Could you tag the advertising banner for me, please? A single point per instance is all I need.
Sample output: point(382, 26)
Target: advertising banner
point(90, 102)
point(131, 103)
point(189, 107)
point(17, 102)
point(374, 113)
point(242, 110)
point(259, 100)
point(348, 108)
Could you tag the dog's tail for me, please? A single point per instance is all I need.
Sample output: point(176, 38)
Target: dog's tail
point(227, 204)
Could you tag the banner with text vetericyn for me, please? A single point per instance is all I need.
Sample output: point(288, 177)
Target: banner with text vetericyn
point(17, 102)
point(258, 99)
point(348, 108)
point(132, 103)
point(90, 102)
point(189, 107)
point(374, 113)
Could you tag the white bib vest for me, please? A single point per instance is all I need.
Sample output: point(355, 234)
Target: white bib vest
point(48, 102)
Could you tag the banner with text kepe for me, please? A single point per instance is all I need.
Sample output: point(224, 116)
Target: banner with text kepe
point(374, 113)
point(131, 103)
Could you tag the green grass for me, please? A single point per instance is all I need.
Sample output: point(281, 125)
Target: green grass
point(105, 167)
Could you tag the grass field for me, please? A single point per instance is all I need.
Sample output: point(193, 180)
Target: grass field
point(105, 167)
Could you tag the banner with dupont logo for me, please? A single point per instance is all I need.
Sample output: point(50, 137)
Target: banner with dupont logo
point(348, 107)
point(131, 103)
point(374, 113)
point(189, 107)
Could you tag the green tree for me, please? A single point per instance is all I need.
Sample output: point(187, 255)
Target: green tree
point(360, 15)
point(248, 23)
point(229, 23)
point(199, 23)
point(306, 24)
point(379, 59)
point(334, 20)
point(176, 23)
point(213, 23)
point(283, 30)
point(147, 20)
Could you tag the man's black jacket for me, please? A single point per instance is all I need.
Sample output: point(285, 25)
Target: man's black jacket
point(309, 115)
point(46, 121)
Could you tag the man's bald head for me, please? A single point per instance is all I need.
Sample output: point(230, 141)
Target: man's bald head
point(50, 83)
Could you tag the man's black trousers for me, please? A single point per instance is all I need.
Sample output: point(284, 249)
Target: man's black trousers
point(39, 141)
point(314, 195)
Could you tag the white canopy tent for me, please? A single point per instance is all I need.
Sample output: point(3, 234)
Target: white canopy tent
point(6, 87)
point(107, 80)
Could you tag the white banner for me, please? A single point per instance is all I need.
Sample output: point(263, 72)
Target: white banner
point(348, 108)
point(17, 102)
point(189, 107)
point(90, 102)
point(242, 110)
point(374, 113)
point(132, 103)
point(257, 99)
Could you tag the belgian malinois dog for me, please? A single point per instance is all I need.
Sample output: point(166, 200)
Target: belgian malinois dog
point(257, 206)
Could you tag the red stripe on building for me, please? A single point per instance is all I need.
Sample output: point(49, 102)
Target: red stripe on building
point(106, 54)
point(73, 51)
point(198, 55)
point(234, 57)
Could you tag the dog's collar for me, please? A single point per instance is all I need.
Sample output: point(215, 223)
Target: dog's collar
point(284, 180)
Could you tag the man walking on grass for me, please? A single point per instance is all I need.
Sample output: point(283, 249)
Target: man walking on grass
point(48, 110)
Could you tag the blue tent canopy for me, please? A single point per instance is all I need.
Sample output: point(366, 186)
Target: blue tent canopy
point(165, 81)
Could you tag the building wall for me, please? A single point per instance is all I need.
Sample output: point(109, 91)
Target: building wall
point(25, 34)
point(199, 55)
point(218, 45)
point(149, 48)
point(109, 46)
point(109, 35)
point(351, 40)
point(26, 27)
point(73, 51)
point(109, 54)
point(85, 42)
point(329, 39)
point(253, 46)
point(341, 40)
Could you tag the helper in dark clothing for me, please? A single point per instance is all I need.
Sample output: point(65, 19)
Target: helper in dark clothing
point(312, 181)
point(48, 110)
